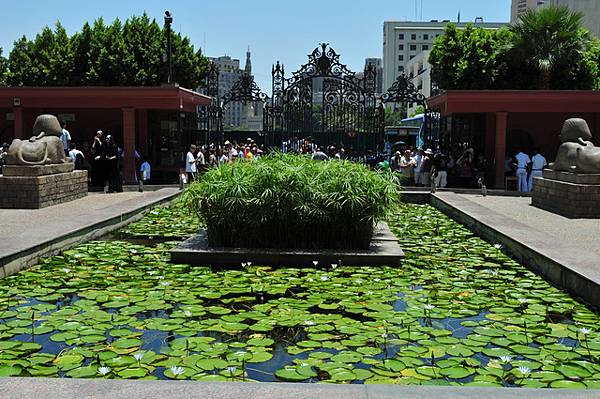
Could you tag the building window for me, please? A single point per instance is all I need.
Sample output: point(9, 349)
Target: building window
point(412, 56)
point(401, 36)
point(401, 57)
point(400, 68)
point(426, 37)
point(401, 47)
point(425, 47)
point(413, 37)
point(413, 47)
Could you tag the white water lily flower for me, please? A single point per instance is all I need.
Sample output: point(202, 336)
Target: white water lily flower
point(161, 277)
point(187, 313)
point(334, 265)
point(505, 358)
point(498, 246)
point(584, 330)
point(309, 323)
point(164, 283)
point(324, 278)
point(377, 280)
point(310, 280)
point(315, 262)
point(304, 364)
point(524, 370)
point(154, 212)
point(66, 270)
point(231, 369)
point(176, 370)
point(429, 306)
point(358, 281)
point(244, 264)
point(104, 370)
point(249, 264)
point(523, 300)
point(138, 356)
point(384, 335)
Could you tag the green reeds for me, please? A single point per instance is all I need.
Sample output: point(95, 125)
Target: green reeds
point(291, 201)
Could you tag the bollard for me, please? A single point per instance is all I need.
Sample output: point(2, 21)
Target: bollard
point(181, 182)
point(140, 186)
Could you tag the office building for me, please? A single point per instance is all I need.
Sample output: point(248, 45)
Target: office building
point(404, 40)
point(589, 8)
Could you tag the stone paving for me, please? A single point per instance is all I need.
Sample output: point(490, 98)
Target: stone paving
point(27, 234)
point(580, 233)
point(33, 388)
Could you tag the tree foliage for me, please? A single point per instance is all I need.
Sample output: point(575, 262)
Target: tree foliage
point(119, 54)
point(546, 49)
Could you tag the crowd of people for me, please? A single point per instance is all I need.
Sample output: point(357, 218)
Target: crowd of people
point(199, 158)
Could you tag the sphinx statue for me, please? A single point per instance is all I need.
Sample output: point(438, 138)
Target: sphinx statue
point(576, 154)
point(43, 148)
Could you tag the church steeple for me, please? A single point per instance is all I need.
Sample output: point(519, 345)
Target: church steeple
point(248, 68)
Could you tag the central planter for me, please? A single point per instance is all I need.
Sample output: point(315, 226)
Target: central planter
point(383, 250)
point(289, 205)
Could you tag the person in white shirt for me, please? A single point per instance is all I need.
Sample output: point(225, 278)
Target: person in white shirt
point(538, 163)
point(522, 161)
point(419, 161)
point(65, 138)
point(76, 156)
point(190, 163)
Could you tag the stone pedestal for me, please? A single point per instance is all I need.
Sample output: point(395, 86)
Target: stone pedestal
point(35, 188)
point(572, 195)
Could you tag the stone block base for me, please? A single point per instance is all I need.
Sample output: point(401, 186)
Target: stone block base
point(34, 192)
point(41, 170)
point(563, 197)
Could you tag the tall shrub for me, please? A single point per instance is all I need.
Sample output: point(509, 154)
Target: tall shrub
point(290, 201)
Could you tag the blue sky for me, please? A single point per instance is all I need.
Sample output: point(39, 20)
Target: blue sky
point(282, 30)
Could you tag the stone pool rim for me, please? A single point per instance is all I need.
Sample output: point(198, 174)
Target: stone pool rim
point(384, 250)
point(58, 388)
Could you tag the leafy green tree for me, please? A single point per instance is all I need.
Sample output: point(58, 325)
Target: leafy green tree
point(3, 69)
point(129, 54)
point(548, 49)
point(143, 51)
point(469, 58)
point(22, 70)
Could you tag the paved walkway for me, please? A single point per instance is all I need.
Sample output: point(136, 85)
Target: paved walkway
point(579, 233)
point(28, 234)
point(60, 388)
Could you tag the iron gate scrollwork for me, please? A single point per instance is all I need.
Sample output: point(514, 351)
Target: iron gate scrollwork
point(326, 102)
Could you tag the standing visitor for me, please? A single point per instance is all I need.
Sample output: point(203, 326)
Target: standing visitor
point(522, 161)
point(439, 171)
point(418, 166)
point(407, 166)
point(145, 170)
point(396, 159)
point(200, 161)
point(65, 138)
point(76, 156)
point(212, 158)
point(426, 165)
point(190, 163)
point(538, 162)
point(112, 165)
point(98, 177)
point(3, 154)
point(319, 155)
point(371, 161)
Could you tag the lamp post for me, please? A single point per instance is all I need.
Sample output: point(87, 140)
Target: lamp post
point(168, 22)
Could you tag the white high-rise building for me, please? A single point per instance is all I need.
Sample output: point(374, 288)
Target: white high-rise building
point(589, 8)
point(404, 40)
point(237, 115)
point(520, 7)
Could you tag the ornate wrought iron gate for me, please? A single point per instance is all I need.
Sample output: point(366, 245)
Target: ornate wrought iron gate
point(326, 102)
point(323, 100)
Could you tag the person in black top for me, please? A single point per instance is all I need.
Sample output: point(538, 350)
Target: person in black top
point(439, 171)
point(98, 176)
point(112, 165)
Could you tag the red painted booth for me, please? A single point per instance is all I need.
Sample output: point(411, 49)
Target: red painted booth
point(497, 122)
point(146, 119)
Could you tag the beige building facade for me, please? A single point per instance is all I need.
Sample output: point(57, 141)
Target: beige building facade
point(589, 8)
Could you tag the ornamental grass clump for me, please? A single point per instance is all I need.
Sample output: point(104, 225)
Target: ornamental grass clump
point(291, 201)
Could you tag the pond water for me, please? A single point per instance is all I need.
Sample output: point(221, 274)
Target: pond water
point(457, 312)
